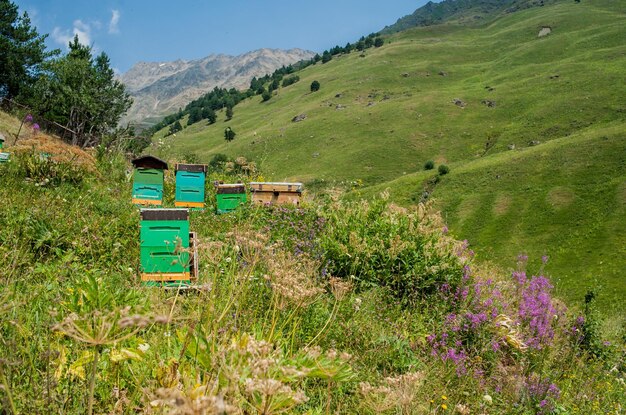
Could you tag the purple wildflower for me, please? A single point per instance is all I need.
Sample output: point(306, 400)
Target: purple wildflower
point(35, 127)
point(28, 118)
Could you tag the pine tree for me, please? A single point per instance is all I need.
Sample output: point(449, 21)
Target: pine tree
point(229, 134)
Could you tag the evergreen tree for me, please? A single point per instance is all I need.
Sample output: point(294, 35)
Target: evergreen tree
point(315, 86)
point(378, 42)
point(209, 114)
point(22, 51)
point(81, 93)
point(266, 96)
point(229, 113)
point(326, 56)
point(195, 115)
point(229, 134)
point(174, 128)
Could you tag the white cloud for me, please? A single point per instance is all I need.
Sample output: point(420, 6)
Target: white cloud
point(115, 18)
point(80, 29)
point(83, 30)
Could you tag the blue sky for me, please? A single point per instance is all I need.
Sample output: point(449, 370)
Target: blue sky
point(156, 30)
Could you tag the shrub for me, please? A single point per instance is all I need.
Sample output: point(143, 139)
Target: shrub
point(443, 170)
point(315, 86)
point(429, 165)
point(377, 245)
point(266, 96)
point(291, 80)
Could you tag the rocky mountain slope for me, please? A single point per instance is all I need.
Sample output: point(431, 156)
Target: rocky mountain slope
point(160, 88)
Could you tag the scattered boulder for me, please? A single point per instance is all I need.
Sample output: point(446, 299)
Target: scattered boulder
point(490, 104)
point(340, 107)
point(511, 146)
point(405, 75)
point(545, 31)
point(339, 95)
point(386, 97)
point(370, 104)
point(442, 73)
point(315, 155)
point(489, 88)
point(555, 76)
point(534, 143)
point(459, 103)
point(299, 118)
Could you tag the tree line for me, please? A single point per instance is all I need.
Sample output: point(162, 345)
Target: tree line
point(204, 108)
point(75, 89)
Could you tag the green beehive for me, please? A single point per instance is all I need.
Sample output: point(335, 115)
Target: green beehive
point(190, 180)
point(4, 157)
point(164, 245)
point(148, 181)
point(230, 197)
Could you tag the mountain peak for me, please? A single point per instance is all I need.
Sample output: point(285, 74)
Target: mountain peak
point(159, 88)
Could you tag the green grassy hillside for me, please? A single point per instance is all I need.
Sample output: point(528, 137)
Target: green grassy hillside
point(379, 116)
point(392, 123)
point(330, 308)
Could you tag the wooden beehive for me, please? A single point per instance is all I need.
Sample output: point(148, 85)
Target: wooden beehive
point(148, 181)
point(229, 196)
point(166, 245)
point(190, 180)
point(273, 193)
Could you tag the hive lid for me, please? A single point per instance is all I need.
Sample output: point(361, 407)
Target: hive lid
point(164, 214)
point(194, 168)
point(150, 162)
point(235, 188)
point(275, 187)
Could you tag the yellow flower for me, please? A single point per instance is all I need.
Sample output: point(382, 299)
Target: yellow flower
point(444, 397)
point(444, 406)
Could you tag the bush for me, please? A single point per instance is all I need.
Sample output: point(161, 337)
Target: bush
point(291, 80)
point(377, 246)
point(429, 165)
point(443, 170)
point(315, 86)
point(266, 96)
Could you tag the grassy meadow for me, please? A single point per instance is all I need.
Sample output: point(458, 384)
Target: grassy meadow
point(557, 102)
point(335, 307)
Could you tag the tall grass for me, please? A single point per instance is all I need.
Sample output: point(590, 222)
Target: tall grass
point(331, 308)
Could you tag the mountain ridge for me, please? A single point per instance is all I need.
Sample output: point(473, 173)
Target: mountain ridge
point(159, 88)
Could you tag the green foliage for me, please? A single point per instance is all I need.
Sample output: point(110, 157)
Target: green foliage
point(315, 86)
point(290, 80)
point(229, 113)
point(429, 165)
point(378, 42)
point(373, 246)
point(81, 93)
point(443, 169)
point(266, 96)
point(23, 51)
point(229, 134)
point(174, 128)
point(326, 57)
point(44, 170)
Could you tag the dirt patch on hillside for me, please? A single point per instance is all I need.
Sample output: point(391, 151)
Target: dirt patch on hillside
point(57, 150)
point(468, 207)
point(501, 205)
point(560, 197)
